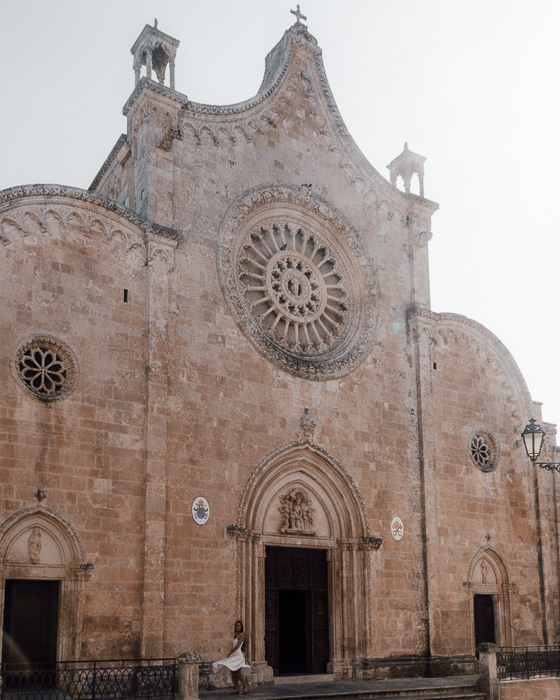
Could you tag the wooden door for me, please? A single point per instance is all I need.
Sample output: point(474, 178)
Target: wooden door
point(484, 627)
point(29, 631)
point(296, 610)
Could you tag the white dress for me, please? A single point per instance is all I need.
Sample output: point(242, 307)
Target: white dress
point(234, 662)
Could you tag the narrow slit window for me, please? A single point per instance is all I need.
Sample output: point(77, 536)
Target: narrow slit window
point(125, 296)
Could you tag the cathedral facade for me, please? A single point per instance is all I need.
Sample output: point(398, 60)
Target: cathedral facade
point(226, 397)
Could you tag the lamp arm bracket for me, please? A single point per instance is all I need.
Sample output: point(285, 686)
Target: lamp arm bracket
point(549, 466)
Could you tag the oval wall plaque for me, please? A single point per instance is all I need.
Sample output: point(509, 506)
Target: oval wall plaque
point(397, 528)
point(200, 510)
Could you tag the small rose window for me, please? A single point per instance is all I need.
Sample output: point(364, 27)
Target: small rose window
point(483, 450)
point(46, 367)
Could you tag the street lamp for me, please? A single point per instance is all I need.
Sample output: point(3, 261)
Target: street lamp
point(533, 439)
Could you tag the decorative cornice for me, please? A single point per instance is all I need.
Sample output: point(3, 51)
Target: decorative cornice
point(158, 88)
point(14, 194)
point(108, 161)
point(297, 34)
point(357, 169)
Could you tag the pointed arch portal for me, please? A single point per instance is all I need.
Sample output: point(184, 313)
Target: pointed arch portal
point(302, 535)
point(42, 576)
point(490, 591)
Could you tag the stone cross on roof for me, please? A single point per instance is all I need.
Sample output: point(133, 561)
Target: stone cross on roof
point(298, 14)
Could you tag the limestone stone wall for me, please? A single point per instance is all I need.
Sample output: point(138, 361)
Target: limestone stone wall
point(545, 688)
point(375, 408)
point(64, 267)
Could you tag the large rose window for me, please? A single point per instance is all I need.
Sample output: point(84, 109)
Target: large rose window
point(298, 280)
point(294, 287)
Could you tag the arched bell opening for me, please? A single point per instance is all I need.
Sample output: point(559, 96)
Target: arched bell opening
point(303, 540)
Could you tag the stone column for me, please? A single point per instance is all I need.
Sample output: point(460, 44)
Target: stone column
point(366, 545)
point(172, 73)
point(160, 264)
point(422, 323)
point(149, 64)
point(250, 598)
point(488, 679)
point(188, 676)
point(136, 74)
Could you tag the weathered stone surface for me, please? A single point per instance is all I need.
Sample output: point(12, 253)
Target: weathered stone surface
point(184, 391)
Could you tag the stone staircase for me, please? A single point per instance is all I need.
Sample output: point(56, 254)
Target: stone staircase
point(326, 688)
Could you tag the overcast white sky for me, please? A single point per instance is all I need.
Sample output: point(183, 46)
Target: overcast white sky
point(473, 86)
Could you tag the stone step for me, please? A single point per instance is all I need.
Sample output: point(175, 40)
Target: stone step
point(468, 693)
point(438, 696)
point(318, 678)
point(356, 695)
point(323, 688)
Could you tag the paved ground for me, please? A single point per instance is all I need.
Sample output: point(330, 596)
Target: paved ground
point(303, 690)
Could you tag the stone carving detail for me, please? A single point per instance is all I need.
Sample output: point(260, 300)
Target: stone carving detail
point(298, 279)
point(295, 287)
point(483, 450)
point(423, 238)
point(307, 425)
point(46, 367)
point(297, 513)
point(34, 545)
point(264, 464)
point(484, 570)
point(69, 195)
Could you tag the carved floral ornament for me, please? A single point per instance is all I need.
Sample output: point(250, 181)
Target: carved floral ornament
point(46, 366)
point(484, 449)
point(298, 280)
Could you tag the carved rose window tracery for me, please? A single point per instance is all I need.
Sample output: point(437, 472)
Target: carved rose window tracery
point(46, 367)
point(295, 288)
point(298, 280)
point(483, 450)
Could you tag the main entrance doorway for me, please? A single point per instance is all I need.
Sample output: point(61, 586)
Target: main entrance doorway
point(29, 631)
point(296, 604)
point(484, 627)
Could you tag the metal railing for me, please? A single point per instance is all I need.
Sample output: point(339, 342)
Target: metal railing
point(528, 662)
point(107, 679)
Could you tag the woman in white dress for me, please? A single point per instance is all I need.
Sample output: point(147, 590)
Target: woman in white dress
point(235, 662)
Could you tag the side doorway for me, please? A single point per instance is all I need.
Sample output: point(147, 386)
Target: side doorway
point(484, 620)
point(30, 625)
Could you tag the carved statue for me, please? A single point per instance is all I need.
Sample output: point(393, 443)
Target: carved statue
point(484, 570)
point(307, 425)
point(34, 545)
point(297, 513)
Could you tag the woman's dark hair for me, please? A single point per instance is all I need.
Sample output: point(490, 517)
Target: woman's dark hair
point(238, 622)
